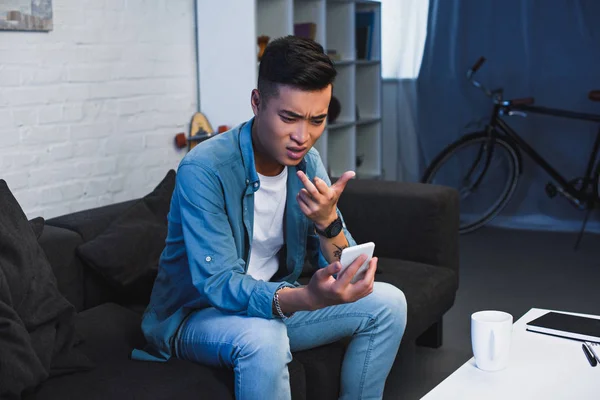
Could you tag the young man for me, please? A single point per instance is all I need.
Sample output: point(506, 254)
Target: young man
point(248, 206)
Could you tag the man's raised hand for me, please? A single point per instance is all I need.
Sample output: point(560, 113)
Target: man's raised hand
point(319, 201)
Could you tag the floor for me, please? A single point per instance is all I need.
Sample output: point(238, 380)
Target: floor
point(506, 270)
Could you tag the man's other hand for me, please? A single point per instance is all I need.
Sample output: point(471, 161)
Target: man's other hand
point(324, 290)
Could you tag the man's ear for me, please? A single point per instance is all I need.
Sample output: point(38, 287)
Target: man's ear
point(255, 101)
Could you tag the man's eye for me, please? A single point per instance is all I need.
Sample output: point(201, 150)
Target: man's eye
point(287, 119)
point(317, 122)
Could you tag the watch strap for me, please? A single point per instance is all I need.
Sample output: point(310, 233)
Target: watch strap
point(327, 231)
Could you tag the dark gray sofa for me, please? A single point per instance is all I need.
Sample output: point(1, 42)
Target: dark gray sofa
point(414, 226)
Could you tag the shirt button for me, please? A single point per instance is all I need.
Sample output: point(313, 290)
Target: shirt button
point(208, 259)
point(247, 181)
point(256, 184)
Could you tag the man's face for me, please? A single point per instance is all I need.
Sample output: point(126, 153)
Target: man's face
point(288, 125)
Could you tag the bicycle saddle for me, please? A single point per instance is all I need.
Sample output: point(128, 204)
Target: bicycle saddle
point(594, 95)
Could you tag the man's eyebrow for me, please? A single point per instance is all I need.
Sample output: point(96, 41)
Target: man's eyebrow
point(298, 116)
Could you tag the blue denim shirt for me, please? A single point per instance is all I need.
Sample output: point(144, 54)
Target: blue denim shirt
point(207, 248)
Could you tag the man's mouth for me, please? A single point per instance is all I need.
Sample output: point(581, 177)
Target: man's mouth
point(295, 153)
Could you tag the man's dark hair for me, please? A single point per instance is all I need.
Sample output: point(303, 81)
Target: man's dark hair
point(296, 62)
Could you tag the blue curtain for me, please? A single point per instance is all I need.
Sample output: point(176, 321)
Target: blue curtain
point(546, 49)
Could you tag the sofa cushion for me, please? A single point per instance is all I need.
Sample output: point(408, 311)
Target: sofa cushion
point(91, 222)
point(37, 226)
point(36, 322)
point(159, 200)
point(130, 247)
point(60, 245)
point(429, 291)
point(110, 332)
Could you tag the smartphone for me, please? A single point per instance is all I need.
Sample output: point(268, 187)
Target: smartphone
point(349, 254)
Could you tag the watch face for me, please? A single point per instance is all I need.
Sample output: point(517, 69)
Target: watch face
point(336, 228)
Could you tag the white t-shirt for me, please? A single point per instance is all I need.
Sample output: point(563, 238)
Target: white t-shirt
point(267, 238)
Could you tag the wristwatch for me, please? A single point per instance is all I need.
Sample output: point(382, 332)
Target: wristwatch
point(332, 230)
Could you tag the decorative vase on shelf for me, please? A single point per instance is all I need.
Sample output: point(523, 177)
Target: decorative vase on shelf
point(262, 44)
point(334, 110)
point(359, 160)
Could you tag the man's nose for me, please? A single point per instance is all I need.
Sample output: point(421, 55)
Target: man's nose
point(301, 133)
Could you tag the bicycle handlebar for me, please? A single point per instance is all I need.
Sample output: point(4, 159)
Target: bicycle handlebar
point(523, 101)
point(478, 64)
point(495, 94)
point(471, 73)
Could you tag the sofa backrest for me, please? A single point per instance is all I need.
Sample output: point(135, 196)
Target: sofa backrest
point(90, 223)
point(408, 221)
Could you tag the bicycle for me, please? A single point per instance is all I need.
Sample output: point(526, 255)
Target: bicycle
point(500, 145)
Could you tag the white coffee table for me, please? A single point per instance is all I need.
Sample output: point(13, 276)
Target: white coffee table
point(540, 367)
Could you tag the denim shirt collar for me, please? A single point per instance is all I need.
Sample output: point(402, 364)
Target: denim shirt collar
point(247, 151)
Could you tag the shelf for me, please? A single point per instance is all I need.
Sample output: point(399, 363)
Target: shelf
point(343, 63)
point(368, 90)
point(368, 145)
point(307, 11)
point(368, 2)
point(375, 7)
point(343, 90)
point(340, 29)
point(340, 123)
point(274, 18)
point(367, 62)
point(358, 63)
point(321, 146)
point(368, 120)
point(368, 175)
point(341, 151)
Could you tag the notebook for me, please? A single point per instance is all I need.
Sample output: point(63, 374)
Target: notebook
point(566, 325)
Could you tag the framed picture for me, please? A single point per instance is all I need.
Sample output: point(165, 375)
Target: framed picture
point(26, 15)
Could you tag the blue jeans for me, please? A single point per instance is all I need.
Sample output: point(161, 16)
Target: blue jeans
point(259, 349)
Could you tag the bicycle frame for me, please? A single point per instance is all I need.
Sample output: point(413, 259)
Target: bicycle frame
point(575, 193)
point(499, 124)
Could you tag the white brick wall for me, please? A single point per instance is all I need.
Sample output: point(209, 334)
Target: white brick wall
point(89, 110)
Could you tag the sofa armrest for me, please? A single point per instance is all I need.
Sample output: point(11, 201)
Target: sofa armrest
point(410, 221)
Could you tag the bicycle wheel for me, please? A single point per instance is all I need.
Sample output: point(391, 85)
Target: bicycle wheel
point(484, 171)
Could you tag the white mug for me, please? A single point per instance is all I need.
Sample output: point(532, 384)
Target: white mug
point(490, 338)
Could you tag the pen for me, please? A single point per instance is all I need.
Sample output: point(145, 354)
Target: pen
point(589, 355)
